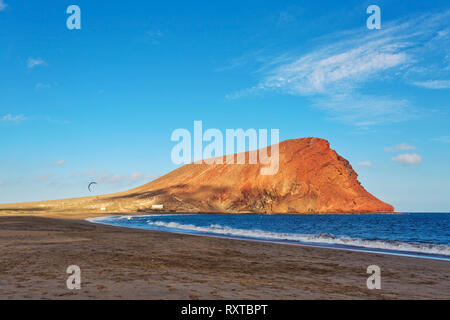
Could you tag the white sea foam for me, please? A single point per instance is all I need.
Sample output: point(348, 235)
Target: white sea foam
point(324, 239)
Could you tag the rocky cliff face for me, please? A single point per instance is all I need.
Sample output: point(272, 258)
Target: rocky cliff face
point(312, 178)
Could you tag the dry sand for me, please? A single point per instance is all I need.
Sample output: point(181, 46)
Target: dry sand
point(119, 263)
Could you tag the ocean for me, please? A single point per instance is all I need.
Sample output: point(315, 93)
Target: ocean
point(423, 235)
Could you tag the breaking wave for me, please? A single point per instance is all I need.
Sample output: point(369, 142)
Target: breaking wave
point(319, 239)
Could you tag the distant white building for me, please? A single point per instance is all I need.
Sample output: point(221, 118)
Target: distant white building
point(157, 207)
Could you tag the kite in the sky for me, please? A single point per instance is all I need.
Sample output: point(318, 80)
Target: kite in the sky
point(90, 184)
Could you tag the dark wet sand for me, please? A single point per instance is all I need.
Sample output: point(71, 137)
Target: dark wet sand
point(119, 263)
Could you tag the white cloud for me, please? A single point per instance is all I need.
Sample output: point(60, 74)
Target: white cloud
point(364, 110)
point(91, 172)
point(44, 177)
point(444, 139)
point(60, 162)
point(1, 183)
point(400, 147)
point(34, 62)
point(41, 85)
point(116, 178)
point(434, 84)
point(154, 36)
point(365, 164)
point(113, 179)
point(136, 176)
point(13, 118)
point(408, 159)
point(333, 75)
point(3, 5)
point(327, 71)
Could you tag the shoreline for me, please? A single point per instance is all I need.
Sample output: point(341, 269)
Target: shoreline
point(369, 250)
point(85, 215)
point(122, 263)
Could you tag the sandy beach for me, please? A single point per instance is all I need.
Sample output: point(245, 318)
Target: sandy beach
point(120, 263)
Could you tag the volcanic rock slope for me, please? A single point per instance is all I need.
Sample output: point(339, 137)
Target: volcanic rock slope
point(312, 178)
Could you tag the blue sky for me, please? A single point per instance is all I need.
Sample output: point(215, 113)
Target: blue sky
point(100, 103)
